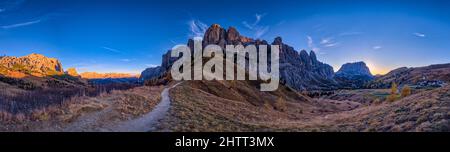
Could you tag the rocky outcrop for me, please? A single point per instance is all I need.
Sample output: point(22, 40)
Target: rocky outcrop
point(35, 64)
point(151, 73)
point(36, 71)
point(215, 35)
point(219, 36)
point(298, 70)
point(302, 71)
point(354, 75)
point(72, 72)
point(354, 69)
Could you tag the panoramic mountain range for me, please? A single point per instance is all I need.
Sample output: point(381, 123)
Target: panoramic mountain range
point(39, 95)
point(299, 70)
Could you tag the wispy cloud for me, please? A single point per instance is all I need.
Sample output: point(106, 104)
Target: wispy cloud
point(311, 44)
point(259, 30)
point(419, 34)
point(197, 28)
point(310, 41)
point(111, 49)
point(328, 42)
point(350, 33)
point(318, 28)
point(2, 10)
point(21, 24)
point(151, 65)
point(125, 60)
point(331, 44)
point(318, 46)
point(254, 24)
point(377, 47)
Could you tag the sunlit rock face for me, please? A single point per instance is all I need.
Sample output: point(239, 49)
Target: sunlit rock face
point(35, 64)
point(72, 72)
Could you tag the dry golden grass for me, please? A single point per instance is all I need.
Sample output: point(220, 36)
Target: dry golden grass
point(240, 106)
point(116, 106)
point(424, 111)
point(215, 106)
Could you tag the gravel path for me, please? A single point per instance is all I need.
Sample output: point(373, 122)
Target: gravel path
point(149, 121)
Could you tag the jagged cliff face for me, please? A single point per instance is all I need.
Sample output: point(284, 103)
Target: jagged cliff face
point(36, 71)
point(354, 75)
point(302, 71)
point(298, 70)
point(35, 64)
point(354, 69)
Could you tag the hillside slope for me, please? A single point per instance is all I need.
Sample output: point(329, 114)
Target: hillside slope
point(240, 106)
point(197, 107)
point(413, 76)
point(425, 111)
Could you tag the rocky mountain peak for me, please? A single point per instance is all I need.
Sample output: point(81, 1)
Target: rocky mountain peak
point(72, 72)
point(356, 68)
point(313, 57)
point(297, 70)
point(304, 56)
point(353, 75)
point(35, 55)
point(215, 34)
point(34, 64)
point(233, 35)
point(277, 41)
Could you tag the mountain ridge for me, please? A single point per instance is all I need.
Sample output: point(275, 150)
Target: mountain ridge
point(33, 64)
point(298, 70)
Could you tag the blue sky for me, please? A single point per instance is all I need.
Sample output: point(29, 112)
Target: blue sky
point(130, 35)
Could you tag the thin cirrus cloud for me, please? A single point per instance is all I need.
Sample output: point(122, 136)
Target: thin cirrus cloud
point(151, 65)
point(376, 47)
point(331, 44)
point(197, 28)
point(259, 30)
point(254, 24)
point(350, 33)
point(328, 42)
point(311, 44)
point(125, 60)
point(111, 49)
point(419, 34)
point(21, 24)
point(322, 44)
